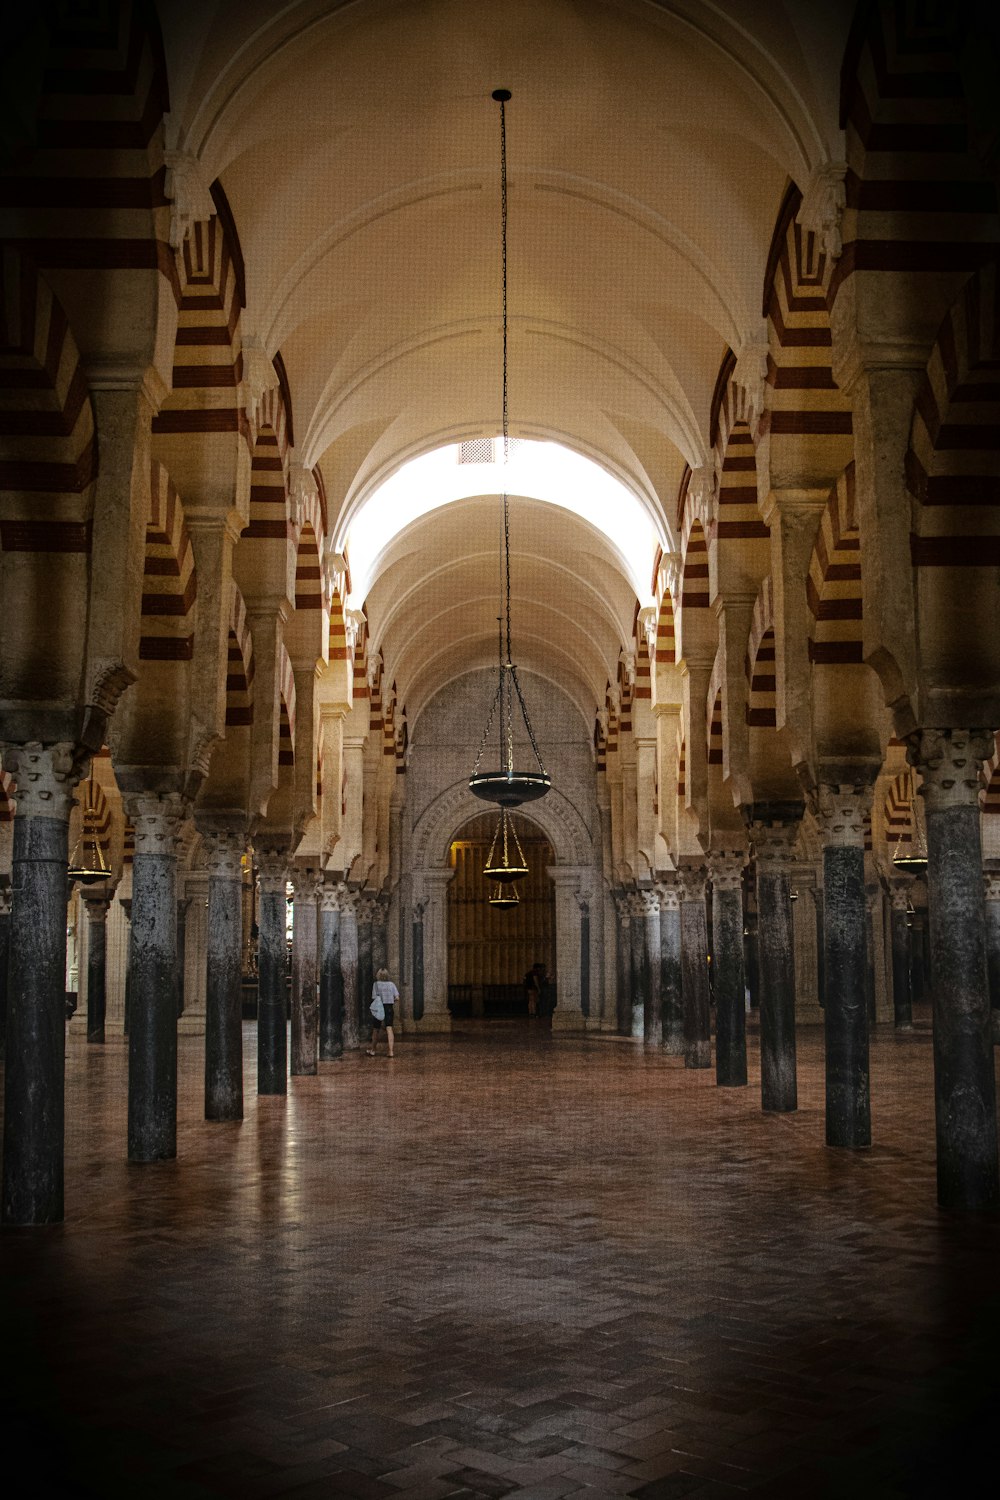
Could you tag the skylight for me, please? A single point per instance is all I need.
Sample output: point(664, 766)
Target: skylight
point(541, 471)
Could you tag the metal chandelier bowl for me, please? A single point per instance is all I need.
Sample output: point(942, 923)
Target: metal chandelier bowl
point(507, 785)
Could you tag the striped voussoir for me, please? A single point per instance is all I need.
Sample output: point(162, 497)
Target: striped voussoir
point(308, 573)
point(761, 662)
point(681, 768)
point(169, 580)
point(715, 725)
point(806, 414)
point(286, 691)
point(643, 683)
point(96, 815)
point(666, 643)
point(240, 665)
point(8, 804)
point(46, 414)
point(898, 810)
point(696, 623)
point(989, 797)
point(833, 585)
point(269, 512)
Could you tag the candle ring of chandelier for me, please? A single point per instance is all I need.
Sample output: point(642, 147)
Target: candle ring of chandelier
point(505, 862)
point(87, 864)
point(503, 897)
point(506, 785)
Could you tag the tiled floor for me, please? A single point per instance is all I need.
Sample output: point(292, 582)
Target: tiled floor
point(504, 1264)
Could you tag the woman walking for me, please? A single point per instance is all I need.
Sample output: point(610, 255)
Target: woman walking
point(383, 1009)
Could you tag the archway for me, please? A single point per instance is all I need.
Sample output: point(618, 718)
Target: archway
point(490, 950)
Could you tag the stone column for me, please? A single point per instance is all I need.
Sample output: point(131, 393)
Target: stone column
point(671, 996)
point(694, 968)
point(44, 777)
point(585, 958)
point(571, 882)
point(816, 892)
point(902, 1005)
point(638, 966)
point(305, 1008)
point(380, 935)
point(726, 871)
point(331, 980)
point(992, 915)
point(774, 836)
point(272, 1026)
point(964, 1090)
point(223, 975)
point(623, 964)
point(653, 1028)
point(349, 966)
point(418, 961)
point(125, 903)
point(433, 883)
point(97, 950)
point(840, 815)
point(4, 955)
point(152, 1036)
point(183, 904)
point(365, 974)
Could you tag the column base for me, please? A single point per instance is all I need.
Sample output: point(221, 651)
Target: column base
point(698, 1055)
point(435, 1022)
point(568, 1020)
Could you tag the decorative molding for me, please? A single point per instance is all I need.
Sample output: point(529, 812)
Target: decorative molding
point(555, 815)
point(224, 851)
point(190, 196)
point(948, 761)
point(157, 819)
point(691, 882)
point(821, 211)
point(840, 812)
point(303, 492)
point(107, 679)
point(259, 374)
point(749, 376)
point(669, 895)
point(725, 870)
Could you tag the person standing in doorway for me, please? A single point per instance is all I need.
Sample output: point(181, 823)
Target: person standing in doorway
point(532, 990)
point(383, 1009)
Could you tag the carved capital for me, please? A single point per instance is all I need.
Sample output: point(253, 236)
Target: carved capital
point(749, 375)
point(668, 894)
point(899, 894)
point(622, 907)
point(726, 871)
point(774, 843)
point(224, 854)
point(701, 492)
point(329, 898)
point(5, 900)
point(96, 908)
point(190, 198)
point(272, 870)
point(259, 374)
point(821, 211)
point(157, 819)
point(691, 882)
point(840, 811)
point(107, 679)
point(991, 885)
point(948, 761)
point(649, 903)
point(306, 885)
point(45, 777)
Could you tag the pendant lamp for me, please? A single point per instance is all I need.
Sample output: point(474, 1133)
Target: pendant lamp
point(505, 862)
point(505, 784)
point(87, 864)
point(503, 897)
point(911, 859)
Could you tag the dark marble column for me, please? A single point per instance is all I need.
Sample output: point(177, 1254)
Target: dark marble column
point(223, 975)
point(585, 959)
point(653, 1019)
point(964, 1088)
point(871, 902)
point(4, 954)
point(671, 996)
point(840, 814)
point(305, 1006)
point(418, 961)
point(44, 778)
point(902, 1006)
point(992, 914)
point(126, 905)
point(331, 980)
point(349, 966)
point(774, 832)
point(623, 964)
point(152, 1038)
point(97, 949)
point(183, 903)
point(816, 892)
point(380, 934)
point(272, 1024)
point(726, 871)
point(694, 968)
point(366, 974)
point(638, 967)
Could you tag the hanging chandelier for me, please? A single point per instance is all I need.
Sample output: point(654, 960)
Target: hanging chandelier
point(503, 897)
point(505, 862)
point(506, 785)
point(87, 864)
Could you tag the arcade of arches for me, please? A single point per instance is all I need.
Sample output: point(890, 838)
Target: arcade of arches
point(249, 540)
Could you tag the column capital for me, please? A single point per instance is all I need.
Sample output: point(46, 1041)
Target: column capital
point(899, 894)
point(45, 777)
point(840, 811)
point(948, 761)
point(329, 897)
point(650, 901)
point(635, 904)
point(5, 900)
point(691, 882)
point(307, 882)
point(991, 885)
point(773, 835)
point(668, 893)
point(224, 851)
point(96, 907)
point(725, 869)
point(622, 907)
point(158, 820)
point(272, 869)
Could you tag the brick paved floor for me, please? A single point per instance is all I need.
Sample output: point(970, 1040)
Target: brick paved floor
point(504, 1265)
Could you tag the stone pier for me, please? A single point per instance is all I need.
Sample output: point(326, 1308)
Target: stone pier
point(726, 872)
point(840, 813)
point(774, 830)
point(223, 975)
point(694, 968)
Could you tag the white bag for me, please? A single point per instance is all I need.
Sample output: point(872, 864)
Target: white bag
point(377, 1009)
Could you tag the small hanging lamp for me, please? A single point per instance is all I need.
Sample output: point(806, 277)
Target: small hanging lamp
point(506, 785)
point(503, 897)
point(505, 862)
point(914, 860)
point(87, 863)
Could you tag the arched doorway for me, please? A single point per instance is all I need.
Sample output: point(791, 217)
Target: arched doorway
point(489, 951)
